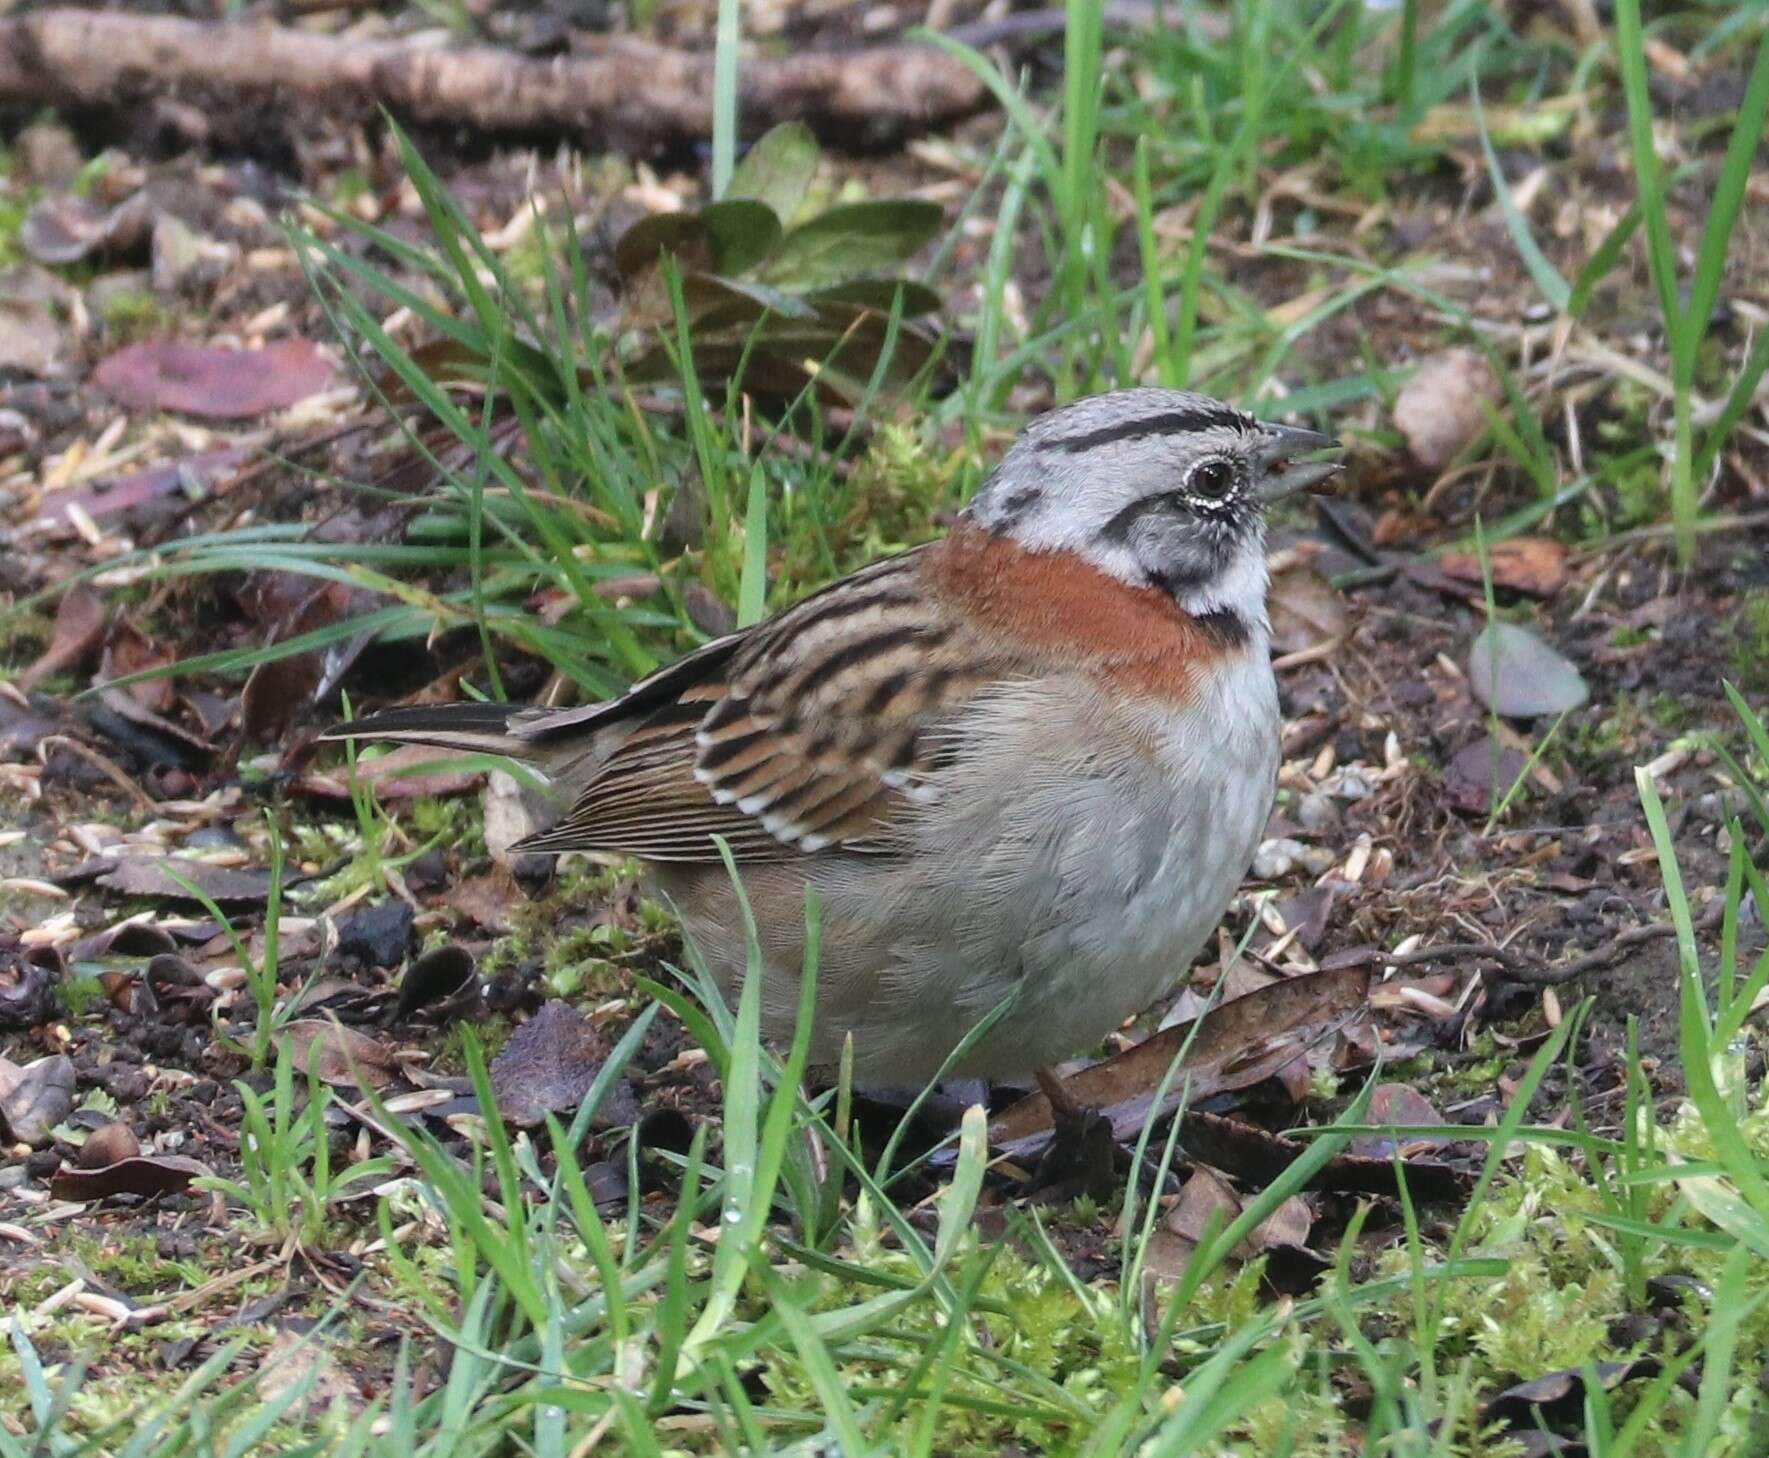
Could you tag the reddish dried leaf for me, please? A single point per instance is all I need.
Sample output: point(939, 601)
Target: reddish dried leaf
point(280, 688)
point(548, 1066)
point(1398, 1103)
point(130, 651)
point(79, 623)
point(1536, 565)
point(339, 1055)
point(108, 498)
point(218, 384)
point(277, 691)
point(143, 1176)
point(106, 1145)
point(1469, 783)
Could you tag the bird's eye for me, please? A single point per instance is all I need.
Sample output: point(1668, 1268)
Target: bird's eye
point(1211, 478)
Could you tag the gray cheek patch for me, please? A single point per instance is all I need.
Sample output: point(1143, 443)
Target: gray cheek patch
point(1001, 505)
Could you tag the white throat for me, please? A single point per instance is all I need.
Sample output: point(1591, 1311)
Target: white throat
point(1239, 588)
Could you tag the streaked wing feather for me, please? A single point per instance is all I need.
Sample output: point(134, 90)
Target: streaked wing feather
point(811, 730)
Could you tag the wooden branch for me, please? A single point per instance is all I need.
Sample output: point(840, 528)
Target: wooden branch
point(618, 94)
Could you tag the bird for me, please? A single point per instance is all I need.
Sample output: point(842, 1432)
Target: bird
point(1028, 761)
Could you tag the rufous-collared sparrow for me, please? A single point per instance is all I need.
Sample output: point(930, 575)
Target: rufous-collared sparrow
point(1033, 757)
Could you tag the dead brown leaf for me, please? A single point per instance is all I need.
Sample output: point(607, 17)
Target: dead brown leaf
point(441, 980)
point(1236, 1045)
point(63, 228)
point(277, 692)
point(218, 384)
point(1257, 1157)
point(548, 1066)
point(35, 1098)
point(106, 1145)
point(143, 1175)
point(489, 901)
point(152, 876)
point(79, 624)
point(1535, 565)
point(193, 474)
point(339, 1055)
point(1206, 1197)
point(1399, 1103)
point(1477, 778)
point(129, 651)
point(1306, 610)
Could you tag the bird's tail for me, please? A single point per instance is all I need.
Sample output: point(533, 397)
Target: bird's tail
point(470, 727)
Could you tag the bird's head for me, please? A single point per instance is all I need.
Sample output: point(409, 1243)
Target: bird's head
point(1156, 487)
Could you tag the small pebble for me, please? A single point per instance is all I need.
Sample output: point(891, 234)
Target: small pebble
point(1317, 810)
point(1718, 806)
point(1349, 783)
point(1279, 857)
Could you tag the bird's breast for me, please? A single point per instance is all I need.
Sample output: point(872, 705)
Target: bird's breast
point(1055, 611)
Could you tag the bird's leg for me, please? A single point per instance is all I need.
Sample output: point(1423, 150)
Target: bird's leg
point(1081, 1158)
point(1062, 1104)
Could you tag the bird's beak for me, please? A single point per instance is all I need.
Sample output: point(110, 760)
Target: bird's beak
point(1283, 476)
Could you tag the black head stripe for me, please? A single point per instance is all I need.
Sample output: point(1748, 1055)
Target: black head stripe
point(1171, 422)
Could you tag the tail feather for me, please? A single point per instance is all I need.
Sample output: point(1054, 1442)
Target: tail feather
point(474, 728)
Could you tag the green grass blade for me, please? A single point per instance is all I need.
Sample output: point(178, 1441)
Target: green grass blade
point(725, 43)
point(1554, 288)
point(1630, 48)
point(1735, 175)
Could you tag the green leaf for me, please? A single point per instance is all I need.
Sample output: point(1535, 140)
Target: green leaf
point(743, 233)
point(777, 170)
point(682, 235)
point(724, 239)
point(841, 353)
point(859, 238)
point(722, 303)
point(880, 294)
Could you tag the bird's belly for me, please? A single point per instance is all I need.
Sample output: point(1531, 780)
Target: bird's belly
point(1082, 888)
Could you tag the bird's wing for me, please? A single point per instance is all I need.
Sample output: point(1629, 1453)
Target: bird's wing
point(821, 727)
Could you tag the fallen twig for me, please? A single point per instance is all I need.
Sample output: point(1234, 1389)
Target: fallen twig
point(618, 94)
point(1519, 966)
